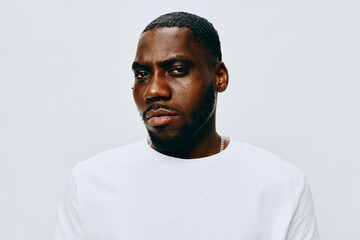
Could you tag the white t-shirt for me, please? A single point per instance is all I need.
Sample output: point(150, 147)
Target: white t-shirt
point(136, 193)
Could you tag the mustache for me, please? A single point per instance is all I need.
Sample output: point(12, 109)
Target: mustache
point(158, 106)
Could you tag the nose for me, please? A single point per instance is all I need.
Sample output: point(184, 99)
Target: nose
point(157, 88)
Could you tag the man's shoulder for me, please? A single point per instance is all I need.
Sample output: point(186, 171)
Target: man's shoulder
point(111, 158)
point(266, 164)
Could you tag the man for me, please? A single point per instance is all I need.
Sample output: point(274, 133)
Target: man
point(185, 181)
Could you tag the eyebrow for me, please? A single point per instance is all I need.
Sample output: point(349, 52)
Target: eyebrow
point(165, 64)
point(140, 65)
point(169, 62)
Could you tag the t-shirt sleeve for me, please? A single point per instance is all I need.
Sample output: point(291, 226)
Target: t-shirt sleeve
point(67, 225)
point(303, 224)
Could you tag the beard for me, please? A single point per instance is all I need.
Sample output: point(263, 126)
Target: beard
point(199, 119)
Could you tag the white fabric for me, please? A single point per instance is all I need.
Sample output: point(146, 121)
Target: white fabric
point(135, 193)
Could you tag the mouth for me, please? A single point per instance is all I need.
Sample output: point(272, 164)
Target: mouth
point(160, 117)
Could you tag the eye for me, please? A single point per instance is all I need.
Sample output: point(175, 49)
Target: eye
point(141, 75)
point(178, 71)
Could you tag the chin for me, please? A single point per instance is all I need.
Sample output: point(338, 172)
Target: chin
point(171, 143)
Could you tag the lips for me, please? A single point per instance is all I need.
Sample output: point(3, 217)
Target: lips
point(160, 117)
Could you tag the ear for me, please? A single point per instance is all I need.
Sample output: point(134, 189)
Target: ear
point(221, 77)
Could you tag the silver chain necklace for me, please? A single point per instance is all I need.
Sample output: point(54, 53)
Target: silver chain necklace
point(222, 143)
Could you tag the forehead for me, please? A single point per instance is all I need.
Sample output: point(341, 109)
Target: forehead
point(166, 42)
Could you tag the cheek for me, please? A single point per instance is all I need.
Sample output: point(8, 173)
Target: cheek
point(138, 96)
point(190, 95)
point(196, 88)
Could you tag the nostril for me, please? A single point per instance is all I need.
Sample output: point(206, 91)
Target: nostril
point(148, 100)
point(157, 98)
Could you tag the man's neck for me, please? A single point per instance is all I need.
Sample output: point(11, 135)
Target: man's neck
point(204, 143)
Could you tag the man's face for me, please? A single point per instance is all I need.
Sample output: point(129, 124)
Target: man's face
point(173, 89)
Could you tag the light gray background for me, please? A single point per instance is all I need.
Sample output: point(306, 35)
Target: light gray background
point(65, 95)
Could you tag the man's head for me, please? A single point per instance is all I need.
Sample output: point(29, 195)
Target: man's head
point(178, 73)
point(203, 31)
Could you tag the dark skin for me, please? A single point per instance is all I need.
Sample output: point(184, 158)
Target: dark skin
point(173, 70)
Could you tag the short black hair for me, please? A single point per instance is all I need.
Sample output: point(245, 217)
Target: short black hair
point(203, 31)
